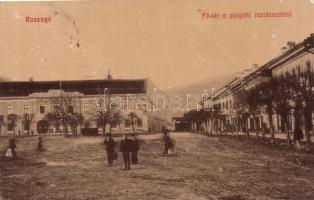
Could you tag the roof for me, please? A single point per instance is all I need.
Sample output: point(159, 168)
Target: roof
point(87, 87)
point(270, 65)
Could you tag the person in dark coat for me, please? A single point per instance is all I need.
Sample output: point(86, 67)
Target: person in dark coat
point(40, 145)
point(12, 146)
point(110, 148)
point(297, 136)
point(135, 148)
point(166, 142)
point(126, 148)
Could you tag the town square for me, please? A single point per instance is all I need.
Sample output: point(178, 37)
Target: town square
point(157, 100)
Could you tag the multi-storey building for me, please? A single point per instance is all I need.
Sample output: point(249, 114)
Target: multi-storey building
point(37, 99)
point(295, 59)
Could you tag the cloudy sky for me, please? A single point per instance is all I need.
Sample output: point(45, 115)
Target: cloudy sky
point(167, 40)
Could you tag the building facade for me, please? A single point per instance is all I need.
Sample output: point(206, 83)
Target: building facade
point(26, 105)
point(295, 60)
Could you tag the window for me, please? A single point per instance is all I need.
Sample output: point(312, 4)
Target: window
point(26, 126)
point(70, 109)
point(10, 126)
point(9, 109)
point(127, 123)
point(126, 106)
point(86, 107)
point(26, 109)
point(56, 108)
point(42, 109)
point(139, 122)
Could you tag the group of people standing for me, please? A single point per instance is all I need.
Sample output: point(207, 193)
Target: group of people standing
point(129, 148)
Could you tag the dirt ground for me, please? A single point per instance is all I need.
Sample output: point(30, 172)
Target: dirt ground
point(202, 168)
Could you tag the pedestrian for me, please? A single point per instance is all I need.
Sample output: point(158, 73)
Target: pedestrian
point(297, 136)
point(168, 144)
point(40, 145)
point(125, 148)
point(12, 146)
point(135, 147)
point(110, 148)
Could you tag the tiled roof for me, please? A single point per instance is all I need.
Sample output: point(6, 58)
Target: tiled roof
point(87, 87)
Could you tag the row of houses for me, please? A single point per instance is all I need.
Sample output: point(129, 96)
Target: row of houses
point(26, 106)
point(220, 112)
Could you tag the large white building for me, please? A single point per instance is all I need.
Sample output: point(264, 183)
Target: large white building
point(33, 101)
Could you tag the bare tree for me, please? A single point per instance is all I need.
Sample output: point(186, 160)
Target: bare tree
point(53, 119)
point(133, 117)
point(254, 106)
point(75, 120)
point(283, 95)
point(64, 109)
point(266, 90)
point(1, 122)
point(117, 119)
point(241, 106)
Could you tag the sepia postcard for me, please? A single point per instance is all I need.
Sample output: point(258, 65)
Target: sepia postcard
point(156, 99)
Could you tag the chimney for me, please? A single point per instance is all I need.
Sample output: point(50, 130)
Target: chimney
point(290, 45)
point(255, 66)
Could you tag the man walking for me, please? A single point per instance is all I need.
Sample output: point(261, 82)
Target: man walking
point(125, 148)
point(135, 148)
point(110, 145)
point(166, 142)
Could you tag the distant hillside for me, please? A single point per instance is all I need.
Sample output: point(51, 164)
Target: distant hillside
point(198, 88)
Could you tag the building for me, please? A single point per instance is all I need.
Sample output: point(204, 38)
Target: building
point(295, 59)
point(26, 104)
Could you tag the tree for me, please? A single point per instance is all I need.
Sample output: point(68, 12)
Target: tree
point(254, 106)
point(53, 119)
point(192, 117)
point(1, 122)
point(117, 119)
point(27, 121)
point(102, 117)
point(133, 117)
point(267, 89)
point(64, 109)
point(11, 121)
point(282, 95)
point(105, 112)
point(302, 84)
point(75, 120)
point(241, 106)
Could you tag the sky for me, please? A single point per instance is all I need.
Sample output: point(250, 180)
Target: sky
point(167, 41)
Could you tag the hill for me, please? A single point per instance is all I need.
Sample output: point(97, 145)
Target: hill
point(189, 92)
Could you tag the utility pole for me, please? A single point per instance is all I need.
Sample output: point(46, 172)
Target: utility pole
point(61, 106)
